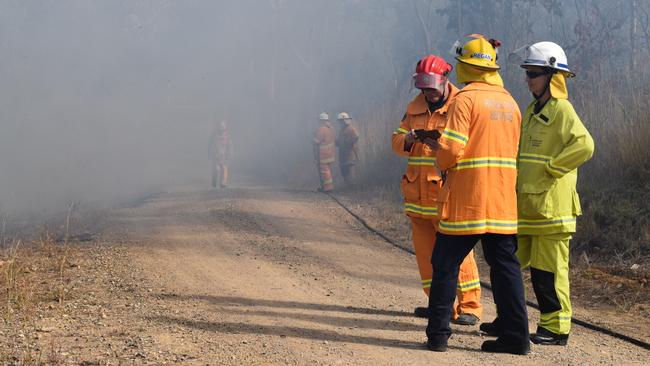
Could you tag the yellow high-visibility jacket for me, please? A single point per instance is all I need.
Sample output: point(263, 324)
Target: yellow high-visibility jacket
point(553, 144)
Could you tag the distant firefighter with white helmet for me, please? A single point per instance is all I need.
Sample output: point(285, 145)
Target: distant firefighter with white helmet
point(347, 142)
point(324, 152)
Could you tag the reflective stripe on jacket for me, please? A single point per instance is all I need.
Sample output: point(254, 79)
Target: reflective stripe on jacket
point(324, 143)
point(554, 143)
point(421, 181)
point(478, 149)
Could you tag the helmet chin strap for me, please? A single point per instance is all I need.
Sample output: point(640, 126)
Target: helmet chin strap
point(546, 88)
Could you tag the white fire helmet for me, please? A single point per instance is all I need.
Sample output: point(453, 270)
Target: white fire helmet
point(323, 117)
point(545, 54)
point(343, 116)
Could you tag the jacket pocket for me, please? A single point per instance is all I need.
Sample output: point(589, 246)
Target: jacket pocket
point(443, 204)
point(410, 186)
point(577, 209)
point(534, 200)
point(432, 189)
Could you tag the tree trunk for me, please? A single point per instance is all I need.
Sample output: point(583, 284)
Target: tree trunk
point(633, 26)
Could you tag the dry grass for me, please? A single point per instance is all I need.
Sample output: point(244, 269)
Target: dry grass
point(34, 277)
point(615, 185)
point(624, 289)
point(15, 294)
point(24, 265)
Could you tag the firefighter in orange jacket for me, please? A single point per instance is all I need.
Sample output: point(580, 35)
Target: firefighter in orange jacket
point(220, 154)
point(347, 142)
point(478, 150)
point(422, 182)
point(324, 152)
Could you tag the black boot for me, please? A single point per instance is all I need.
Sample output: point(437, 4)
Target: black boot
point(437, 347)
point(491, 329)
point(501, 346)
point(546, 337)
point(466, 319)
point(421, 312)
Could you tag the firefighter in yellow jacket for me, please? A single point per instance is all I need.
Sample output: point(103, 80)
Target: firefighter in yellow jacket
point(554, 143)
point(422, 182)
point(324, 152)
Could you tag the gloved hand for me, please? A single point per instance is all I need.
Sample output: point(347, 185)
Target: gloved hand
point(432, 143)
point(409, 138)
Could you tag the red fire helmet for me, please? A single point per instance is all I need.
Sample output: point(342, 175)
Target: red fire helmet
point(432, 72)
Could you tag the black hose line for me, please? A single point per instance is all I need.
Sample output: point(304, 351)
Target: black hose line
point(487, 286)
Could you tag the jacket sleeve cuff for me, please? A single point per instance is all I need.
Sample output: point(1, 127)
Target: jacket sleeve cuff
point(555, 171)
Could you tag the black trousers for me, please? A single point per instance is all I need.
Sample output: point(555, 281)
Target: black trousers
point(505, 276)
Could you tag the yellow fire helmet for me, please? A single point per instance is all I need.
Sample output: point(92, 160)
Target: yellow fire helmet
point(479, 52)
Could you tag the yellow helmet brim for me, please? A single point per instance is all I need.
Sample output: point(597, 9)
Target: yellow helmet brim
point(479, 64)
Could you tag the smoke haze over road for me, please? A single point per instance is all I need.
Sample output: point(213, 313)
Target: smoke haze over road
point(106, 99)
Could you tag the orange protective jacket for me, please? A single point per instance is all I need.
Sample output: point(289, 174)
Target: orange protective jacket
point(324, 143)
point(421, 182)
point(221, 147)
point(347, 144)
point(478, 149)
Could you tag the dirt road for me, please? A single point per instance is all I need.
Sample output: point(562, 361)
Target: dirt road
point(265, 276)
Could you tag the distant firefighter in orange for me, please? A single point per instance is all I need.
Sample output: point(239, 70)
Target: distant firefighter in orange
point(324, 152)
point(220, 154)
point(348, 148)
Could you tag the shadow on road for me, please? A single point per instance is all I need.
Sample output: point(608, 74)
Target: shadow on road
point(330, 320)
point(250, 307)
point(235, 300)
point(294, 332)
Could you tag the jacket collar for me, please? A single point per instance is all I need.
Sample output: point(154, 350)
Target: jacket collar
point(547, 115)
point(419, 104)
point(478, 85)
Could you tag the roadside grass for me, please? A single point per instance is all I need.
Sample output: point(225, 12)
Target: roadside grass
point(28, 266)
point(34, 278)
point(624, 289)
point(615, 184)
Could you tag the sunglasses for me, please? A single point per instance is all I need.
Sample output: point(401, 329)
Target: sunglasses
point(533, 74)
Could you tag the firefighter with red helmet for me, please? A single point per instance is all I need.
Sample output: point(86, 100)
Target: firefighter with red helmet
point(426, 118)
